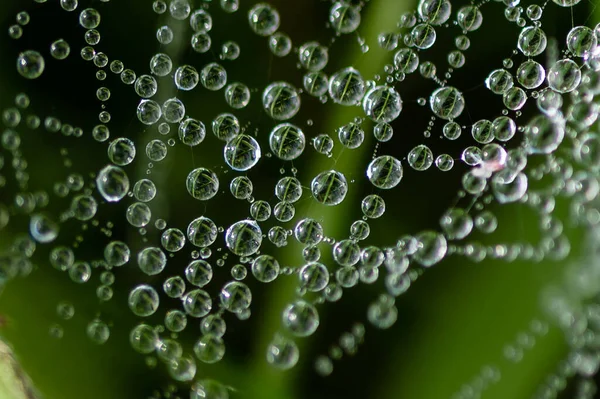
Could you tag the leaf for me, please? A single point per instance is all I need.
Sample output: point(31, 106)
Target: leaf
point(14, 383)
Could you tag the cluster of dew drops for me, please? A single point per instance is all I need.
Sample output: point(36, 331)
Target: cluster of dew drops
point(562, 138)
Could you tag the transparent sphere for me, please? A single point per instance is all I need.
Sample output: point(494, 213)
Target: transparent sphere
point(161, 65)
point(173, 110)
point(202, 232)
point(550, 102)
point(329, 187)
point(346, 252)
point(62, 258)
point(117, 253)
point(308, 231)
point(316, 83)
point(98, 331)
point(138, 214)
point(469, 18)
point(447, 102)
point(42, 228)
point(278, 236)
point(121, 151)
point(313, 56)
point(314, 276)
point(280, 44)
point(284, 211)
point(243, 238)
point(531, 74)
point(235, 297)
point(301, 318)
point(199, 273)
point(30, 64)
point(564, 76)
point(152, 260)
point(373, 206)
point(382, 313)
point(406, 60)
point(242, 152)
point(172, 239)
point(201, 21)
point(351, 135)
point(344, 18)
point(323, 144)
point(499, 81)
point(263, 19)
point(202, 184)
point(288, 189)
point(260, 210)
point(420, 158)
point(347, 87)
point(149, 112)
point(514, 98)
point(532, 41)
point(230, 50)
point(197, 303)
point(104, 292)
point(241, 187)
point(388, 40)
point(213, 76)
point(432, 248)
point(175, 320)
point(265, 268)
point(209, 349)
point(503, 128)
point(213, 324)
point(493, 157)
point(179, 9)
point(80, 272)
point(435, 12)
point(423, 36)
point(191, 132)
point(237, 95)
point(174, 287)
point(287, 141)
point(69, 5)
point(89, 18)
point(183, 368)
point(143, 339)
point(508, 187)
point(543, 136)
point(566, 3)
point(186, 77)
point(239, 272)
point(112, 183)
point(347, 276)
point(282, 353)
point(143, 300)
point(169, 350)
point(383, 132)
point(84, 207)
point(452, 130)
point(226, 126)
point(210, 388)
point(60, 49)
point(456, 223)
point(201, 42)
point(581, 41)
point(146, 86)
point(385, 172)
point(164, 35)
point(281, 101)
